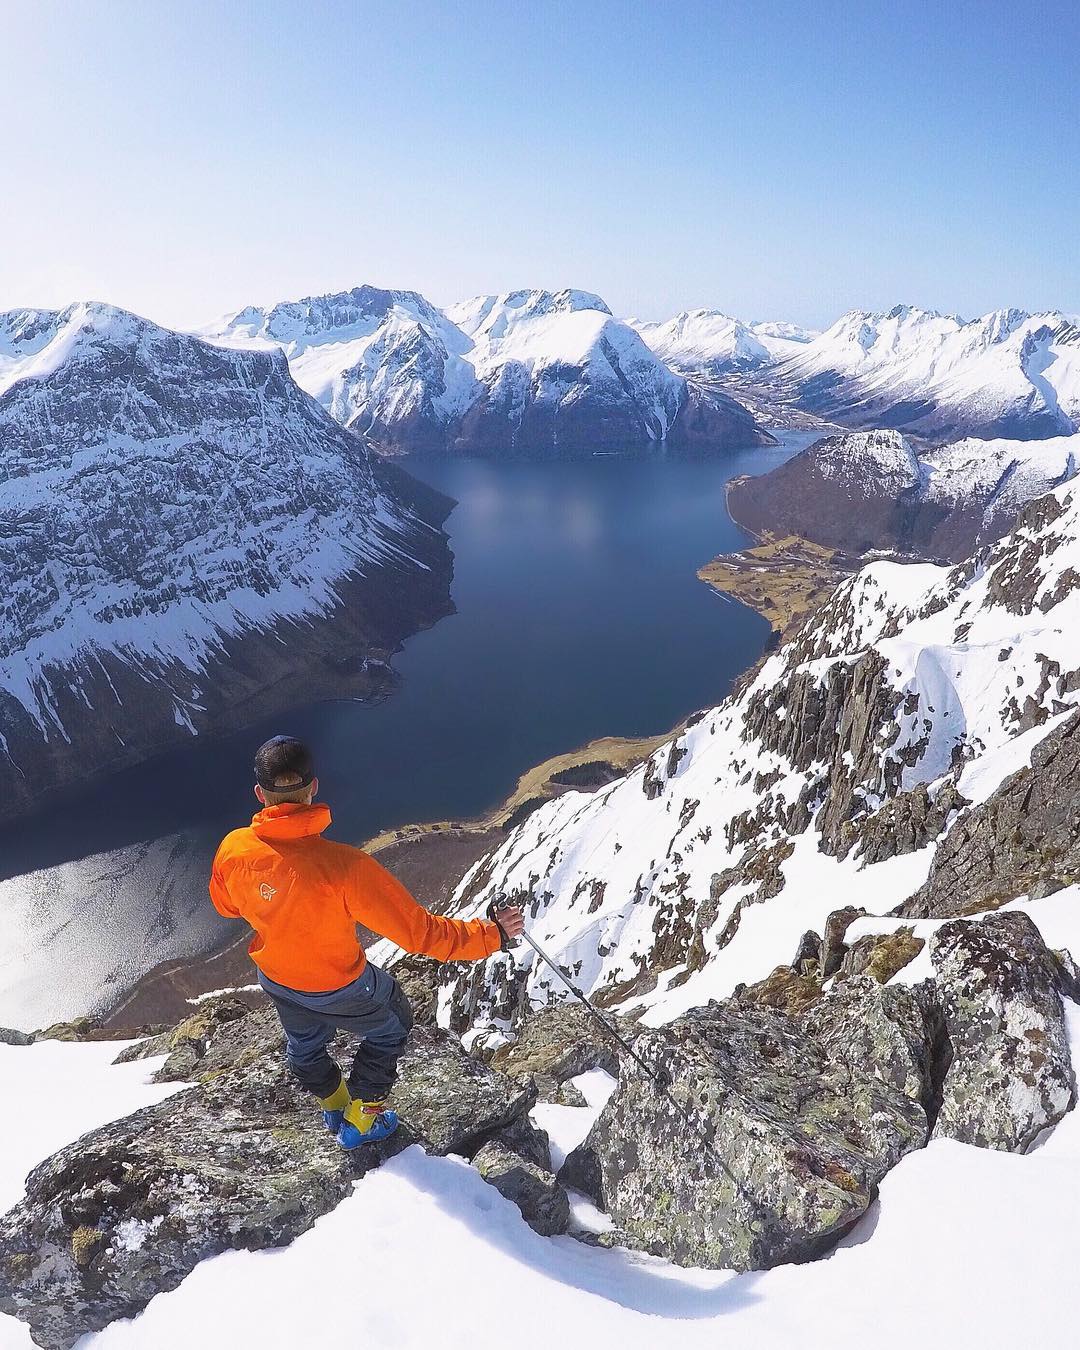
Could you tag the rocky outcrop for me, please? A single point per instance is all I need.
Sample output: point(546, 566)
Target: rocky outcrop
point(1010, 1075)
point(1024, 840)
point(881, 955)
point(773, 1134)
point(556, 1044)
point(241, 1160)
point(543, 1202)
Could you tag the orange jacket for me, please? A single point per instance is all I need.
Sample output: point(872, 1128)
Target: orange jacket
point(304, 896)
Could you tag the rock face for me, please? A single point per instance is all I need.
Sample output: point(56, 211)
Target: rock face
point(774, 1133)
point(1025, 839)
point(239, 1161)
point(535, 374)
point(1010, 1076)
point(875, 490)
point(188, 540)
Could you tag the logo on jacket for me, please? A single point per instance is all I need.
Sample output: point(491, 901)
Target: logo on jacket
point(267, 892)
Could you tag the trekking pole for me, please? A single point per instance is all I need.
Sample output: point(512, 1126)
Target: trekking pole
point(658, 1077)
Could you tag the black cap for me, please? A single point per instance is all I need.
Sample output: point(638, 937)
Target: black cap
point(283, 757)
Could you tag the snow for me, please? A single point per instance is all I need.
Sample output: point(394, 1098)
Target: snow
point(567, 1126)
point(967, 1248)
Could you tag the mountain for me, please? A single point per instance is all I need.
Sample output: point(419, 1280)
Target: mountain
point(535, 373)
point(386, 364)
point(916, 744)
point(707, 342)
point(875, 490)
point(1007, 374)
point(186, 539)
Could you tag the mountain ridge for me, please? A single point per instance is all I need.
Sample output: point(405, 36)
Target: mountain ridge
point(169, 505)
point(533, 372)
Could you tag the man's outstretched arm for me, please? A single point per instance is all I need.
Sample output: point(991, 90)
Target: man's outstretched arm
point(380, 902)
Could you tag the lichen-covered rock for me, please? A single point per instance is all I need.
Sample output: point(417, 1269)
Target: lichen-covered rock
point(240, 1160)
point(774, 1133)
point(9, 1036)
point(544, 1204)
point(785, 989)
point(1011, 1074)
point(419, 977)
point(881, 955)
point(558, 1043)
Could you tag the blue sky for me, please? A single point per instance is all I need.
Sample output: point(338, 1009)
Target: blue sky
point(776, 160)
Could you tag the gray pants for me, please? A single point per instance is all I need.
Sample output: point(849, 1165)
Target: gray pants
point(373, 1007)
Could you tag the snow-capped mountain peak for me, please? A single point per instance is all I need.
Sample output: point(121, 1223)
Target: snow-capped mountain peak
point(491, 317)
point(529, 371)
point(710, 342)
point(1007, 373)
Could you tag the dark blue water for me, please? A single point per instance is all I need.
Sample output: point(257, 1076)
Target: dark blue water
point(579, 615)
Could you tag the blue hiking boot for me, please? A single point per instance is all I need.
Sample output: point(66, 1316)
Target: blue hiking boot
point(366, 1123)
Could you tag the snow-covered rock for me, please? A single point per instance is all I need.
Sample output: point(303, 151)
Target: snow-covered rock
point(240, 1161)
point(877, 490)
point(166, 505)
point(527, 372)
point(1008, 373)
point(914, 686)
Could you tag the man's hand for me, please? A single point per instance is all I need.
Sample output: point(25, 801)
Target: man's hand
point(510, 918)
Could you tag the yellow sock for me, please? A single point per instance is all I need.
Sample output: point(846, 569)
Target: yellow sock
point(364, 1114)
point(338, 1099)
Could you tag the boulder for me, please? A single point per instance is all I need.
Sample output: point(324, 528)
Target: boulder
point(1011, 1074)
point(774, 1132)
point(543, 1203)
point(239, 1160)
point(881, 955)
point(557, 1043)
point(523, 1137)
point(9, 1036)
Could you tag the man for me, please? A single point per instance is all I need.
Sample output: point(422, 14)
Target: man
point(304, 896)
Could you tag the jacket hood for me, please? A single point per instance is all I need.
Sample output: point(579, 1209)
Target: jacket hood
point(291, 820)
